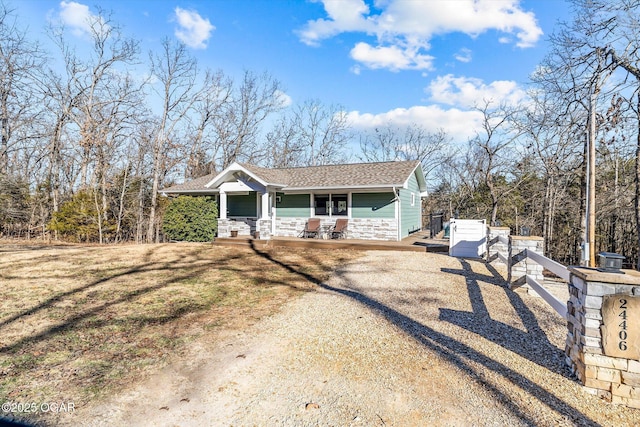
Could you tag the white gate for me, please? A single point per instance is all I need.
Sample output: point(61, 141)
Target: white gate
point(467, 237)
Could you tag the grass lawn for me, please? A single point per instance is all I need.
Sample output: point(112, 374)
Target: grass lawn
point(78, 322)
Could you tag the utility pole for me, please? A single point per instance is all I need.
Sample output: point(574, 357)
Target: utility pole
point(589, 251)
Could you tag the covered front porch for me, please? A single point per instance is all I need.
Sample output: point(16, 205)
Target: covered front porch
point(246, 208)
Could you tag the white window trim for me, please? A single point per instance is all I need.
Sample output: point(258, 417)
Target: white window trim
point(313, 206)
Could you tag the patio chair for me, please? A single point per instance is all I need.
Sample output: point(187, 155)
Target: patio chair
point(339, 230)
point(312, 229)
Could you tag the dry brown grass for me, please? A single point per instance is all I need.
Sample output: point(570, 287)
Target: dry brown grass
point(77, 322)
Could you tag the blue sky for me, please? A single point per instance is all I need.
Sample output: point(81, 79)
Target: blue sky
point(383, 61)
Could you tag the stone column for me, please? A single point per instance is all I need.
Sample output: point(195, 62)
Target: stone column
point(603, 340)
point(494, 246)
point(519, 265)
point(224, 227)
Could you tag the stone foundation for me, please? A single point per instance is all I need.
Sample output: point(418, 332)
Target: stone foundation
point(244, 226)
point(358, 228)
point(372, 229)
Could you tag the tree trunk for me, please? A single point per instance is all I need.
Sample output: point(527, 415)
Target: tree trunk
point(155, 186)
point(637, 187)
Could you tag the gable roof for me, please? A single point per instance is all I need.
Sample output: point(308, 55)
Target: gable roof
point(353, 175)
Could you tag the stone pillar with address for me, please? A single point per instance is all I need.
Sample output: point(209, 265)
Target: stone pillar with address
point(495, 246)
point(521, 266)
point(603, 340)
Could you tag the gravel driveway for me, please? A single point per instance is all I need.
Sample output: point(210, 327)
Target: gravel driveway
point(395, 338)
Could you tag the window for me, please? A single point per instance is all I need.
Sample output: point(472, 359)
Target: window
point(339, 204)
point(330, 205)
point(322, 204)
point(413, 199)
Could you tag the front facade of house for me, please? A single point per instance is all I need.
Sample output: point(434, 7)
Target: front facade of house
point(381, 201)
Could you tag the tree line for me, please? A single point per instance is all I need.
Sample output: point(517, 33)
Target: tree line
point(87, 141)
point(527, 166)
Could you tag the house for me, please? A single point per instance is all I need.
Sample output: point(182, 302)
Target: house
point(380, 200)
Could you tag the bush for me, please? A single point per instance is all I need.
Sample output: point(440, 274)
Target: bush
point(14, 205)
point(77, 219)
point(191, 219)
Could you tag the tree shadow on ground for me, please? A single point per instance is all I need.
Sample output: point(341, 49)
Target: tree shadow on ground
point(191, 266)
point(459, 354)
point(531, 344)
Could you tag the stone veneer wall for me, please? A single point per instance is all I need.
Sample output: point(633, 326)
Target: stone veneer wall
point(520, 266)
point(291, 227)
point(264, 228)
point(494, 246)
point(616, 379)
point(602, 371)
point(358, 228)
point(244, 226)
point(372, 229)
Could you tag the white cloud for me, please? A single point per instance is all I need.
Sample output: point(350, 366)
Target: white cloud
point(392, 57)
point(460, 125)
point(285, 100)
point(344, 15)
point(467, 92)
point(193, 30)
point(78, 18)
point(403, 29)
point(453, 109)
point(463, 55)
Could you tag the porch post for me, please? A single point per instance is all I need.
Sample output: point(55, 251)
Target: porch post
point(223, 205)
point(264, 205)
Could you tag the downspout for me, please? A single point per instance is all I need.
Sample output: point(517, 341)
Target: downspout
point(398, 213)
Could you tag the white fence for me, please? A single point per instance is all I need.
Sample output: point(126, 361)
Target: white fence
point(519, 251)
point(559, 270)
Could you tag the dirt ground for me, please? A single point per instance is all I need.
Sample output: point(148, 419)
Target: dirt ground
point(391, 339)
point(79, 323)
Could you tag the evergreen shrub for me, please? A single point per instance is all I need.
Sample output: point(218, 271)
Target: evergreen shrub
point(191, 219)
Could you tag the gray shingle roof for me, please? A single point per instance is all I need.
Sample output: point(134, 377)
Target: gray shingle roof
point(382, 174)
point(196, 185)
point(350, 175)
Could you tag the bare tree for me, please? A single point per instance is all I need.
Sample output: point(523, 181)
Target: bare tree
point(493, 151)
point(413, 142)
point(549, 132)
point(312, 134)
point(576, 71)
point(176, 72)
point(237, 128)
point(205, 146)
point(20, 60)
point(619, 27)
